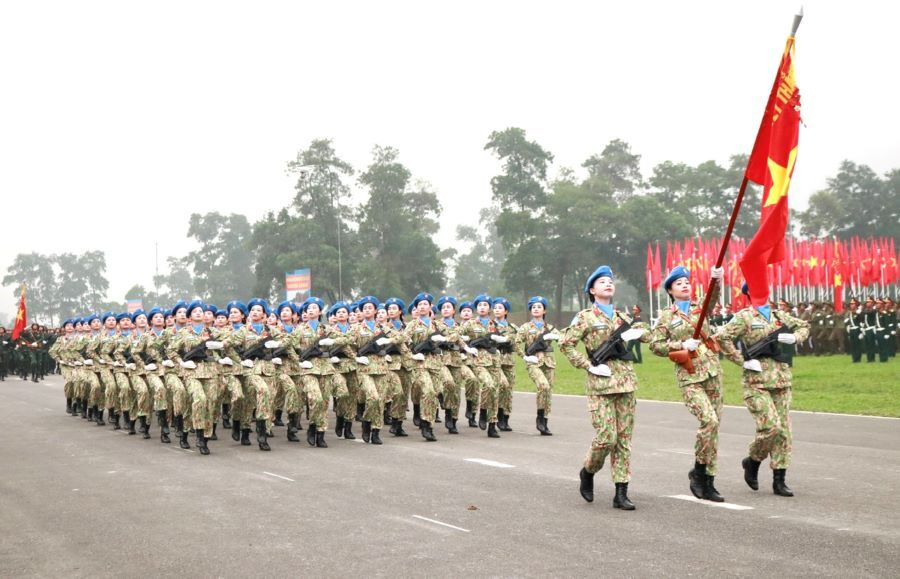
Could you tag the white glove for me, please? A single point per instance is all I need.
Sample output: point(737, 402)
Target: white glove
point(190, 365)
point(787, 338)
point(364, 360)
point(276, 361)
point(861, 335)
point(438, 339)
point(472, 351)
point(753, 366)
point(894, 333)
point(466, 338)
point(306, 364)
point(91, 362)
point(632, 334)
point(34, 344)
point(247, 363)
point(717, 273)
point(690, 344)
point(151, 366)
point(334, 360)
point(326, 342)
point(212, 345)
point(79, 363)
point(499, 339)
point(553, 336)
point(102, 361)
point(600, 370)
point(531, 359)
point(272, 344)
point(226, 361)
point(131, 366)
point(420, 357)
point(168, 363)
point(463, 357)
point(382, 341)
point(388, 359)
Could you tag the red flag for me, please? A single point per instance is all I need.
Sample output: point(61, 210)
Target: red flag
point(771, 165)
point(838, 276)
point(657, 273)
point(20, 317)
point(649, 270)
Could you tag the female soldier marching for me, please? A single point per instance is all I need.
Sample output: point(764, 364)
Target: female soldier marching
point(533, 344)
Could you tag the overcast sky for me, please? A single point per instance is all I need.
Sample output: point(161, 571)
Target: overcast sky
point(120, 119)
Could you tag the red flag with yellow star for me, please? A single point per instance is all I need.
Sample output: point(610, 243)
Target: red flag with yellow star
point(771, 165)
point(20, 317)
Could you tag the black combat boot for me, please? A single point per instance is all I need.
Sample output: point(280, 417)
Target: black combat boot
point(145, 427)
point(751, 473)
point(182, 435)
point(376, 436)
point(437, 415)
point(482, 419)
point(163, 427)
point(311, 434)
point(226, 416)
point(293, 418)
point(278, 421)
point(236, 430)
point(427, 432)
point(213, 436)
point(448, 419)
point(470, 412)
point(503, 420)
point(348, 430)
point(98, 416)
point(68, 406)
point(129, 423)
point(262, 437)
point(587, 485)
point(75, 407)
point(387, 413)
point(541, 422)
point(245, 437)
point(417, 415)
point(115, 417)
point(201, 442)
point(492, 430)
point(397, 428)
point(697, 478)
point(710, 493)
point(86, 412)
point(320, 439)
point(366, 430)
point(621, 501)
point(360, 408)
point(779, 487)
point(450, 422)
point(339, 426)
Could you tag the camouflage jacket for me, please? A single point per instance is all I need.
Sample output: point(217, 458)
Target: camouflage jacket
point(528, 333)
point(346, 353)
point(361, 334)
point(749, 326)
point(416, 332)
point(672, 329)
point(473, 329)
point(305, 337)
point(245, 338)
point(452, 354)
point(186, 340)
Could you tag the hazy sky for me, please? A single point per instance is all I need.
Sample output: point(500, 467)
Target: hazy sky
point(120, 119)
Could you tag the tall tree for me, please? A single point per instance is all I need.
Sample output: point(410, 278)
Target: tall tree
point(479, 269)
point(71, 285)
point(93, 268)
point(36, 272)
point(223, 263)
point(177, 284)
point(615, 171)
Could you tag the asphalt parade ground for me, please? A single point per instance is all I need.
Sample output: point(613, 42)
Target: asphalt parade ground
point(81, 500)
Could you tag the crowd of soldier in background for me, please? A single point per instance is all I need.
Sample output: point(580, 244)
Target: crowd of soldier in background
point(27, 356)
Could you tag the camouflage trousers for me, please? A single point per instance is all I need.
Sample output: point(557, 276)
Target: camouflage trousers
point(369, 393)
point(401, 398)
point(160, 394)
point(489, 378)
point(287, 394)
point(69, 376)
point(612, 416)
point(542, 377)
point(96, 397)
point(473, 388)
point(423, 381)
point(771, 412)
point(124, 398)
point(141, 400)
point(458, 375)
point(178, 395)
point(256, 402)
point(393, 387)
point(704, 400)
point(83, 380)
point(110, 389)
point(346, 406)
point(507, 385)
point(230, 390)
point(202, 393)
point(314, 389)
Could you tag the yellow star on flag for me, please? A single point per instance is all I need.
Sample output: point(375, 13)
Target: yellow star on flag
point(781, 178)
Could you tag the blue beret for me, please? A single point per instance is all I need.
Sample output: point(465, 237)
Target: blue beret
point(677, 272)
point(423, 296)
point(257, 302)
point(434, 309)
point(67, 322)
point(223, 313)
point(602, 271)
point(481, 298)
point(339, 305)
point(367, 300)
point(537, 300)
point(105, 315)
point(91, 318)
point(382, 307)
point(168, 313)
point(154, 311)
point(236, 304)
point(121, 316)
point(286, 304)
point(395, 302)
point(210, 308)
point(446, 300)
point(466, 305)
point(313, 300)
point(136, 313)
point(194, 305)
point(410, 308)
point(178, 305)
point(502, 301)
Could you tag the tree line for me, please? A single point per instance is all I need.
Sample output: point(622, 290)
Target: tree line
point(540, 234)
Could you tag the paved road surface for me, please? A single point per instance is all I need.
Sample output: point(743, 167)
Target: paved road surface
point(78, 500)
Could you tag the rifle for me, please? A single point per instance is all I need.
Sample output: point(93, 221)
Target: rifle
point(312, 352)
point(484, 343)
point(683, 357)
point(427, 346)
point(768, 347)
point(371, 348)
point(613, 347)
point(197, 353)
point(255, 352)
point(539, 345)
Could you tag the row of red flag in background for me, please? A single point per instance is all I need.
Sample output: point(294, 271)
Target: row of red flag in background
point(830, 264)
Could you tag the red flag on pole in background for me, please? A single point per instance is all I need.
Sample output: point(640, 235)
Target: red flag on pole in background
point(649, 269)
point(771, 165)
point(657, 273)
point(837, 273)
point(21, 317)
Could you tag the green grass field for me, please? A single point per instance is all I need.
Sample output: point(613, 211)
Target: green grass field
point(823, 384)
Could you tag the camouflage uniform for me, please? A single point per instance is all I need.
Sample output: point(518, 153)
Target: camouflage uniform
point(611, 401)
point(542, 374)
point(507, 366)
point(256, 389)
point(200, 382)
point(372, 382)
point(345, 408)
point(318, 381)
point(428, 375)
point(178, 397)
point(454, 361)
point(399, 366)
point(767, 394)
point(485, 366)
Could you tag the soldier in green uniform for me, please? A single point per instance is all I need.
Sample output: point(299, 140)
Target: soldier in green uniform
point(891, 324)
point(870, 342)
point(853, 322)
point(454, 360)
point(611, 384)
point(427, 376)
point(789, 350)
point(698, 373)
point(883, 337)
point(6, 347)
point(479, 334)
point(501, 309)
point(534, 344)
point(766, 387)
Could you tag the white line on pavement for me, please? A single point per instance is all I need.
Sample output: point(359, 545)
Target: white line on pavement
point(278, 476)
point(676, 451)
point(693, 499)
point(442, 524)
point(493, 463)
